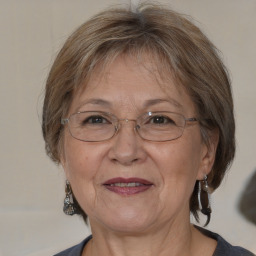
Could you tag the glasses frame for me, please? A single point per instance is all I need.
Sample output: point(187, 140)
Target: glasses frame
point(117, 125)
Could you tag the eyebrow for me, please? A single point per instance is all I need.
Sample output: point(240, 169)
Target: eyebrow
point(148, 103)
point(95, 101)
point(152, 102)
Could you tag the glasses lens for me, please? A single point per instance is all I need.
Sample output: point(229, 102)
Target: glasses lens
point(91, 126)
point(100, 126)
point(161, 126)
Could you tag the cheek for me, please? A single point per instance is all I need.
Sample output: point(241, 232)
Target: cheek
point(83, 162)
point(79, 164)
point(178, 163)
point(77, 157)
point(177, 160)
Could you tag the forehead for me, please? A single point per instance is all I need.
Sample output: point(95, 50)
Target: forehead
point(126, 70)
point(128, 78)
point(157, 66)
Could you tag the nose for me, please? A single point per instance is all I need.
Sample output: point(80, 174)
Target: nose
point(127, 145)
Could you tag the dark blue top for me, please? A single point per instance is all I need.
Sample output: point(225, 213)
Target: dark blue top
point(223, 247)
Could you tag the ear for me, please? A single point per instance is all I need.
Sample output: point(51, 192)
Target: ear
point(65, 168)
point(208, 154)
point(61, 145)
point(62, 157)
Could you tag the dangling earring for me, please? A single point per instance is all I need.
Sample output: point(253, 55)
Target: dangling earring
point(204, 199)
point(69, 207)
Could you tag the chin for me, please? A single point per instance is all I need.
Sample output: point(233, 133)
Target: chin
point(128, 221)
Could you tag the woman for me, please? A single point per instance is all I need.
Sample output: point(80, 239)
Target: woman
point(138, 110)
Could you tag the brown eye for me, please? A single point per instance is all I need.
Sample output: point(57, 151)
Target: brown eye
point(95, 120)
point(161, 120)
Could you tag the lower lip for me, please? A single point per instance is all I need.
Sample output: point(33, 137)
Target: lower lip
point(128, 190)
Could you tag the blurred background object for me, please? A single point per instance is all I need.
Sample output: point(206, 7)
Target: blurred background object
point(247, 202)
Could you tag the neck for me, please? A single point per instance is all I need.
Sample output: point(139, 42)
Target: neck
point(171, 240)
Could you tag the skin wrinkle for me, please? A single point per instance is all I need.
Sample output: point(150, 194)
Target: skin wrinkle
point(127, 155)
point(171, 57)
point(157, 72)
point(124, 102)
point(167, 239)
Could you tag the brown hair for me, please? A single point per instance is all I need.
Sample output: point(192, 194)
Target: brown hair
point(176, 45)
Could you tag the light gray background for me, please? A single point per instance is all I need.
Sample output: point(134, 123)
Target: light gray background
point(31, 187)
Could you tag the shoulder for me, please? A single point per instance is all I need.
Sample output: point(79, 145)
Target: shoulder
point(223, 247)
point(74, 250)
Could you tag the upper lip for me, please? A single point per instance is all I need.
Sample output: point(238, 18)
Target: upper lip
point(127, 180)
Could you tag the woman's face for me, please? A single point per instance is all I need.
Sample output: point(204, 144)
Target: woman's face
point(169, 169)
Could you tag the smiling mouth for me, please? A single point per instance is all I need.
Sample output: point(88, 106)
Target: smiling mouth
point(127, 187)
point(130, 184)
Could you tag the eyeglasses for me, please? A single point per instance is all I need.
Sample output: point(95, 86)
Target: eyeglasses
point(94, 126)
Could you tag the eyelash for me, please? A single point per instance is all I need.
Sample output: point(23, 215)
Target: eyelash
point(89, 119)
point(166, 119)
point(93, 120)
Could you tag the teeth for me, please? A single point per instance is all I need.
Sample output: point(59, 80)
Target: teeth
point(131, 184)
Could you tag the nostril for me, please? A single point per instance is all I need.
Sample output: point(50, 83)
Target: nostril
point(125, 162)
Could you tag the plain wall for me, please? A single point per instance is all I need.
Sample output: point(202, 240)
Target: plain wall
point(32, 187)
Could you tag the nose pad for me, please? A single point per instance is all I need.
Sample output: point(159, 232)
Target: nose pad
point(125, 121)
point(136, 128)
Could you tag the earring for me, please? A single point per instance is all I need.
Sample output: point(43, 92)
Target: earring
point(69, 207)
point(204, 199)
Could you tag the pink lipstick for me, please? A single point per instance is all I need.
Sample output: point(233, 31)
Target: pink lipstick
point(127, 186)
